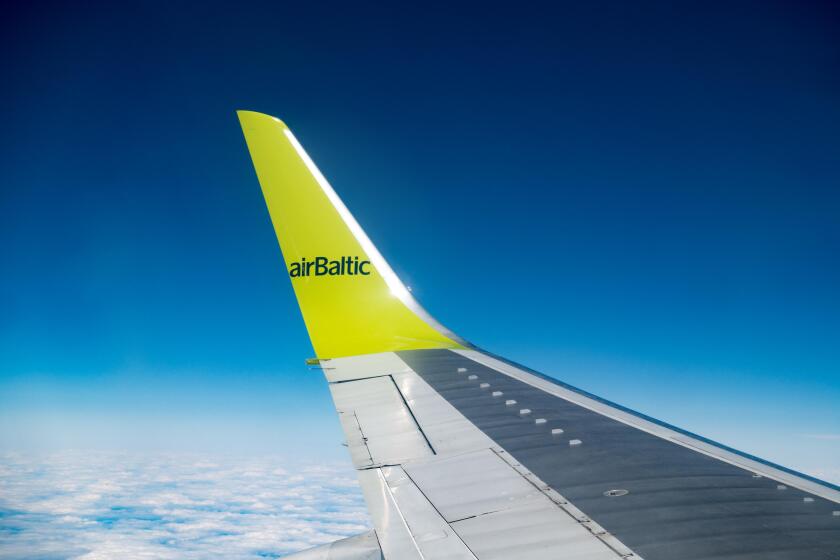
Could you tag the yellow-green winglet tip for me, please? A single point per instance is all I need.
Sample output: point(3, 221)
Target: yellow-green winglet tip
point(247, 117)
point(350, 298)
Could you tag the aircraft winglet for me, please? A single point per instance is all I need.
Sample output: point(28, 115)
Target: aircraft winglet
point(351, 300)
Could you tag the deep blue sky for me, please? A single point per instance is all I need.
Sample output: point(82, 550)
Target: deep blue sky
point(642, 199)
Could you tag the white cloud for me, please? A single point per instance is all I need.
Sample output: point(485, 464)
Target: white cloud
point(94, 506)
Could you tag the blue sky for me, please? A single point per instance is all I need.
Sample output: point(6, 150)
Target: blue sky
point(640, 200)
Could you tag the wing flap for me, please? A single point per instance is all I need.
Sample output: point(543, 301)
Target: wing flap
point(462, 496)
point(358, 547)
point(408, 525)
point(380, 427)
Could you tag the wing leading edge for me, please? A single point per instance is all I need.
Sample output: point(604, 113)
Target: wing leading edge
point(462, 454)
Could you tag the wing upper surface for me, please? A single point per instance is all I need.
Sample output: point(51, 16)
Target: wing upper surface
point(462, 455)
point(501, 467)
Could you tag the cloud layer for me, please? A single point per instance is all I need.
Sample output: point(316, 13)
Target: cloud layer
point(118, 505)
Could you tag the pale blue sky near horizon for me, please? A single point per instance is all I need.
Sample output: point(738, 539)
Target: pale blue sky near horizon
point(641, 201)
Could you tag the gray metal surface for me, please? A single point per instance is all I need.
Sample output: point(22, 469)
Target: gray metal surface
point(458, 497)
point(656, 427)
point(472, 484)
point(407, 524)
point(499, 513)
point(358, 547)
point(446, 429)
point(380, 428)
point(362, 367)
point(679, 503)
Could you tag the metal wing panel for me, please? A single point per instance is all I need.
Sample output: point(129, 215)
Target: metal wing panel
point(662, 498)
point(359, 547)
point(534, 531)
point(499, 513)
point(379, 425)
point(408, 525)
point(446, 429)
point(457, 495)
point(371, 365)
point(655, 427)
point(472, 484)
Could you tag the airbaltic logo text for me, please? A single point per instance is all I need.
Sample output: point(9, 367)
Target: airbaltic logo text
point(322, 266)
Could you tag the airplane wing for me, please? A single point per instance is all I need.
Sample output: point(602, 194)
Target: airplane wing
point(462, 454)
